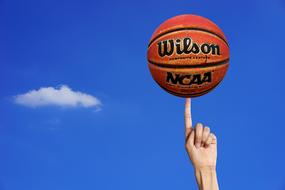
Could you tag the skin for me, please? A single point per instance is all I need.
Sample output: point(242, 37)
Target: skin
point(201, 146)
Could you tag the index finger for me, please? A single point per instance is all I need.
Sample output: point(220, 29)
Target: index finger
point(187, 114)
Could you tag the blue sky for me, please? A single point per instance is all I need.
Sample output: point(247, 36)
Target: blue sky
point(136, 139)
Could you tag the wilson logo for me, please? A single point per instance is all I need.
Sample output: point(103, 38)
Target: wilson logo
point(188, 80)
point(185, 46)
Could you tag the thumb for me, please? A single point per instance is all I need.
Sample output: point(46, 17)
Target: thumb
point(190, 141)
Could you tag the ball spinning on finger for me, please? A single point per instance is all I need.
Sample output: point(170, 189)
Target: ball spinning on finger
point(188, 55)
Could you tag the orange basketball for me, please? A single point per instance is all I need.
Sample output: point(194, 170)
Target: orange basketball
point(188, 55)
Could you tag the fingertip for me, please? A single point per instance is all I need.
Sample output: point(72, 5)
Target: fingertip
point(214, 136)
point(206, 128)
point(187, 102)
point(199, 126)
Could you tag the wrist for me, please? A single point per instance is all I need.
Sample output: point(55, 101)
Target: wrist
point(206, 178)
point(205, 172)
point(205, 168)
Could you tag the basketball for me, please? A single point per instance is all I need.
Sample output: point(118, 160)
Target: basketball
point(188, 55)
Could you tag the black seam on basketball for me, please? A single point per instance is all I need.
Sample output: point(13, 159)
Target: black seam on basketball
point(203, 65)
point(189, 94)
point(193, 94)
point(187, 28)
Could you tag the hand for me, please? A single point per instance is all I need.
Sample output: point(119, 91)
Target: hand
point(201, 144)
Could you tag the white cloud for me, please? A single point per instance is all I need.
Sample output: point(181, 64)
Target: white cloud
point(62, 96)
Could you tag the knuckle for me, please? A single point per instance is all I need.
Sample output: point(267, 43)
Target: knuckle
point(198, 139)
